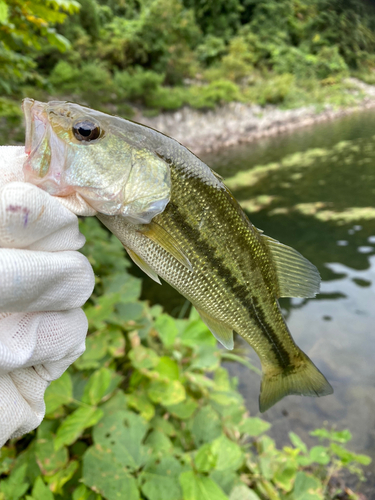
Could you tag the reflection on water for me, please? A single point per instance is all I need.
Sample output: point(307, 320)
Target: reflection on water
point(315, 191)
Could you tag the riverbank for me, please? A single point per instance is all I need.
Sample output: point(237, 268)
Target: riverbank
point(236, 123)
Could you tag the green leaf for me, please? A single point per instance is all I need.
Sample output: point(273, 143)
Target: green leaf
point(206, 357)
point(167, 329)
point(306, 487)
point(196, 333)
point(82, 493)
point(158, 442)
point(254, 426)
point(226, 398)
point(160, 480)
point(59, 392)
point(50, 460)
point(103, 473)
point(130, 311)
point(73, 426)
point(339, 436)
point(205, 459)
point(224, 479)
point(115, 342)
point(229, 455)
point(61, 477)
point(121, 434)
point(242, 492)
point(284, 476)
point(183, 410)
point(96, 349)
point(319, 454)
point(126, 285)
point(163, 425)
point(97, 386)
point(41, 491)
point(168, 368)
point(58, 41)
point(4, 12)
point(196, 487)
point(166, 393)
point(99, 312)
point(140, 402)
point(161, 487)
point(15, 485)
point(143, 358)
point(206, 425)
point(297, 442)
point(347, 456)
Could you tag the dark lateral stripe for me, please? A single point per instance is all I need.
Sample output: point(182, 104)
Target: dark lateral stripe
point(239, 290)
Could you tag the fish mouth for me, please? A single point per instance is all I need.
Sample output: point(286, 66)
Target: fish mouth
point(46, 153)
point(36, 123)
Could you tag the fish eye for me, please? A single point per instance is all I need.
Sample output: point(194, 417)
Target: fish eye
point(86, 130)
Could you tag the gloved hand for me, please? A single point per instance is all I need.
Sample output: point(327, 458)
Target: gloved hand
point(44, 282)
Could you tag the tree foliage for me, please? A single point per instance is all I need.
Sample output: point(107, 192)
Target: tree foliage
point(164, 54)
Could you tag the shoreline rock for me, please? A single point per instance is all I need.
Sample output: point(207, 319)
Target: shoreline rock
point(236, 123)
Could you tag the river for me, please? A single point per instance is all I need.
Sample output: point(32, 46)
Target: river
point(315, 191)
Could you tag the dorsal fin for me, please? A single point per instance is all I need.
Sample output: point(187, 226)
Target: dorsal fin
point(221, 332)
point(297, 277)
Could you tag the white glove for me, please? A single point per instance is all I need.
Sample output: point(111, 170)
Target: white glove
point(43, 284)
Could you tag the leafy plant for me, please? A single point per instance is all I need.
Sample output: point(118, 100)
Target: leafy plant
point(148, 412)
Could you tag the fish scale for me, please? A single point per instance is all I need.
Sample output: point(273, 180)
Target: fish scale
point(177, 220)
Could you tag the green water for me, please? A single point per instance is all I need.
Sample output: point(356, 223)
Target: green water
point(315, 191)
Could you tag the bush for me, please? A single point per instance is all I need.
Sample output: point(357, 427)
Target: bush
point(137, 84)
point(167, 98)
point(148, 412)
point(91, 82)
point(210, 50)
point(327, 62)
point(274, 89)
point(209, 96)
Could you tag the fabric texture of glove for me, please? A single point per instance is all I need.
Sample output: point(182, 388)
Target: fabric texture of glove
point(44, 282)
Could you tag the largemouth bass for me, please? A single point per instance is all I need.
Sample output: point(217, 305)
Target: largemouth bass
point(179, 222)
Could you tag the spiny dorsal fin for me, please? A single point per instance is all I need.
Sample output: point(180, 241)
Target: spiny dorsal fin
point(221, 332)
point(297, 277)
point(161, 237)
point(142, 265)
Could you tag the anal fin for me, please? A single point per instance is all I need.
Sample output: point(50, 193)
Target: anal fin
point(143, 265)
point(161, 237)
point(296, 276)
point(221, 332)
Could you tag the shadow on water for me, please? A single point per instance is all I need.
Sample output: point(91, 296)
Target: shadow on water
point(315, 191)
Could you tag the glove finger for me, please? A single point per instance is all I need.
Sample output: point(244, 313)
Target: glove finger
point(44, 281)
point(11, 164)
point(51, 339)
point(22, 405)
point(31, 218)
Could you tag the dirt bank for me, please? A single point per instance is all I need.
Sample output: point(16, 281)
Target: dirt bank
point(235, 123)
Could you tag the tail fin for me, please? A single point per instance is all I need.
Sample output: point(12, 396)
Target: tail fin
point(301, 378)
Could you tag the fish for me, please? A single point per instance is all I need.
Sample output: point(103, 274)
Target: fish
point(179, 222)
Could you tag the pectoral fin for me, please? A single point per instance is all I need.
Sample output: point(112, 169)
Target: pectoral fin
point(297, 277)
point(161, 237)
point(143, 265)
point(221, 332)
